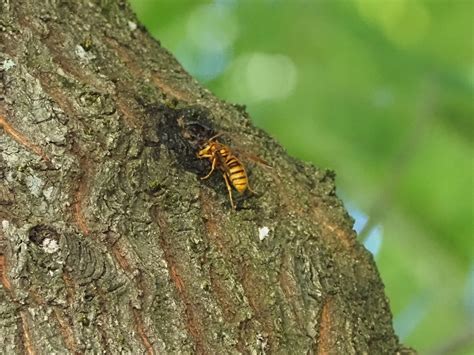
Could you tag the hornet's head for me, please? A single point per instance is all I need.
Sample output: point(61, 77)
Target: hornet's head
point(208, 150)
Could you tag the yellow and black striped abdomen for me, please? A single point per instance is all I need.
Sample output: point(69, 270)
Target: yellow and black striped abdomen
point(236, 173)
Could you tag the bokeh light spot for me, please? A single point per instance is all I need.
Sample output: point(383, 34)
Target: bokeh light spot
point(262, 76)
point(212, 28)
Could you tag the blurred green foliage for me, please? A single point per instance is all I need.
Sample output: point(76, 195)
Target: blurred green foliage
point(380, 91)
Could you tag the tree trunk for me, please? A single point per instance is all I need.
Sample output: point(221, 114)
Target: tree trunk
point(111, 242)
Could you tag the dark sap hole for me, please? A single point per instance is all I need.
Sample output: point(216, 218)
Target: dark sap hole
point(88, 297)
point(40, 232)
point(183, 131)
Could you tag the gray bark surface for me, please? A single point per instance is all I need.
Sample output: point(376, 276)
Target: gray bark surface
point(111, 243)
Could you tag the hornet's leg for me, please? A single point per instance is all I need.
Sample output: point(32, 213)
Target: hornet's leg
point(214, 162)
point(251, 190)
point(248, 186)
point(229, 188)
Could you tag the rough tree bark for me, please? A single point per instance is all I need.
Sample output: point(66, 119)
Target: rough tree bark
point(111, 243)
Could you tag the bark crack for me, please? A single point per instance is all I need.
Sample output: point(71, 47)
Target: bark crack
point(3, 273)
point(26, 334)
point(125, 264)
point(192, 323)
point(66, 331)
point(21, 139)
point(325, 323)
point(80, 194)
point(141, 330)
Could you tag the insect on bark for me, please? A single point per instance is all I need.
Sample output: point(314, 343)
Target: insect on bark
point(222, 158)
